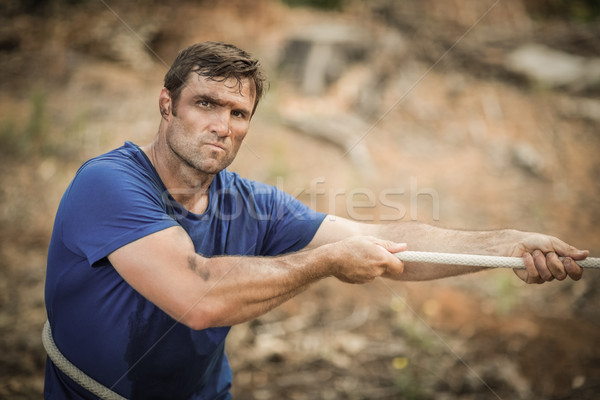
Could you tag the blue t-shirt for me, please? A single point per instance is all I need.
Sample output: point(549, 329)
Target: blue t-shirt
point(110, 331)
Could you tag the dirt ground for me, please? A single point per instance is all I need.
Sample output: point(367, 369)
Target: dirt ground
point(454, 140)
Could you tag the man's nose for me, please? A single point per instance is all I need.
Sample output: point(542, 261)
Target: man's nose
point(221, 123)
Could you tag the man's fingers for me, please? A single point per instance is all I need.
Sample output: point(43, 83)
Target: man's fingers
point(368, 257)
point(532, 275)
point(555, 266)
point(539, 260)
point(568, 265)
point(565, 250)
point(577, 254)
point(394, 266)
point(573, 270)
point(541, 268)
point(392, 247)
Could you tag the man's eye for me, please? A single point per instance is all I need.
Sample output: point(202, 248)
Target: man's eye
point(238, 114)
point(204, 103)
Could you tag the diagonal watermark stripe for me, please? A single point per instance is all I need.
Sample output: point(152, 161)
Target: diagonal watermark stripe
point(146, 45)
point(246, 145)
point(418, 81)
point(439, 337)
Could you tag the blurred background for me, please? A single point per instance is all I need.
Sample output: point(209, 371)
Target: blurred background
point(467, 114)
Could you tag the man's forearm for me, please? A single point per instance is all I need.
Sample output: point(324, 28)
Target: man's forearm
point(243, 288)
point(423, 237)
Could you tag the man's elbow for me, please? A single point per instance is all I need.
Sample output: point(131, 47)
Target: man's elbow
point(196, 323)
point(203, 318)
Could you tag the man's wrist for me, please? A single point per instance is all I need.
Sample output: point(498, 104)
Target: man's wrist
point(318, 263)
point(505, 242)
point(327, 260)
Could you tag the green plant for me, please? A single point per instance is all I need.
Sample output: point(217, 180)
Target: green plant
point(29, 138)
point(36, 128)
point(576, 10)
point(322, 4)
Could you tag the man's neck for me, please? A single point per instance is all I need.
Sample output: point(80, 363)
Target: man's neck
point(188, 186)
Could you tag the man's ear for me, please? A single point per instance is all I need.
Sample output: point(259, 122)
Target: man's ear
point(165, 103)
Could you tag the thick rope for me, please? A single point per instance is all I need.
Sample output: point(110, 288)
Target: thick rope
point(477, 260)
point(72, 371)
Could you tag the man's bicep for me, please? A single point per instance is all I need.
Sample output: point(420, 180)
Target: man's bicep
point(159, 250)
point(333, 229)
point(158, 266)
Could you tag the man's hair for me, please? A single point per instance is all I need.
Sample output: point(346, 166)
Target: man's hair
point(216, 61)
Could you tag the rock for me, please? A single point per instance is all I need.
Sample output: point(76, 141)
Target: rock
point(318, 56)
point(580, 108)
point(347, 132)
point(554, 68)
point(528, 158)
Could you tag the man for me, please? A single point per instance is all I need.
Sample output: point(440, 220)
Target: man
point(157, 251)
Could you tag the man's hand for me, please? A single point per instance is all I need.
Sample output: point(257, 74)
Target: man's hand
point(361, 259)
point(541, 257)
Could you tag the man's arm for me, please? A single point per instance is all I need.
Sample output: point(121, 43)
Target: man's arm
point(540, 252)
point(220, 291)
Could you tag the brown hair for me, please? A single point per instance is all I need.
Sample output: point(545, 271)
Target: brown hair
point(217, 61)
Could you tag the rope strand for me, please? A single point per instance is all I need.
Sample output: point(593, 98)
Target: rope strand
point(477, 260)
point(72, 371)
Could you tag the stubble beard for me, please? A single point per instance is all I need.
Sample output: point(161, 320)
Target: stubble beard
point(202, 159)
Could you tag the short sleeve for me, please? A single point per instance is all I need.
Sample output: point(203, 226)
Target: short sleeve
point(108, 205)
point(291, 223)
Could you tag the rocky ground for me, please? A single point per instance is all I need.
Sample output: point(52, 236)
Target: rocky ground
point(384, 111)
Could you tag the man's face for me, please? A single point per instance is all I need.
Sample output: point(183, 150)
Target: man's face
point(211, 121)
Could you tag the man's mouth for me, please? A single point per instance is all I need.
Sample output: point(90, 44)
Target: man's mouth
point(217, 145)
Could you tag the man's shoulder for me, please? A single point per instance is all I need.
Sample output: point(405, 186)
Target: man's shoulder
point(125, 155)
point(126, 160)
point(121, 172)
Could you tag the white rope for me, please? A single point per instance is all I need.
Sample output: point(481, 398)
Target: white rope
point(72, 371)
point(477, 260)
